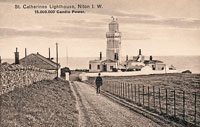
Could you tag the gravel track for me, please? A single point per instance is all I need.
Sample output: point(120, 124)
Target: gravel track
point(99, 111)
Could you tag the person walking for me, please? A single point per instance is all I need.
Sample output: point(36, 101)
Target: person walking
point(99, 83)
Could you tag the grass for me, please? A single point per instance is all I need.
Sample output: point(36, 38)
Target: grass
point(189, 83)
point(46, 103)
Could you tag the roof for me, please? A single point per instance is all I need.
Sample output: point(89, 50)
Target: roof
point(109, 61)
point(95, 61)
point(128, 61)
point(135, 58)
point(39, 61)
point(152, 61)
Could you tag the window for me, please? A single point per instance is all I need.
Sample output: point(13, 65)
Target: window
point(90, 66)
point(153, 67)
point(111, 67)
point(98, 66)
point(116, 56)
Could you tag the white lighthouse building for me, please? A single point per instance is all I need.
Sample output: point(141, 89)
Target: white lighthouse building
point(113, 61)
point(113, 51)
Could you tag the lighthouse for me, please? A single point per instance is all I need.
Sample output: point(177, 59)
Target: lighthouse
point(113, 51)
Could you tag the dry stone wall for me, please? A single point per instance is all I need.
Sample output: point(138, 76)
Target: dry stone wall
point(12, 76)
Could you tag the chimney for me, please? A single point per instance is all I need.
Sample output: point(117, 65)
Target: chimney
point(100, 58)
point(16, 57)
point(140, 52)
point(25, 52)
point(49, 54)
point(150, 58)
point(126, 57)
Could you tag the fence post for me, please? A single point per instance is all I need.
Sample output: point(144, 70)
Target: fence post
point(106, 86)
point(109, 87)
point(112, 87)
point(154, 97)
point(118, 89)
point(143, 94)
point(174, 104)
point(135, 93)
point(138, 94)
point(195, 107)
point(183, 105)
point(132, 92)
point(166, 103)
point(115, 89)
point(113, 84)
point(159, 101)
point(128, 91)
point(148, 98)
point(123, 89)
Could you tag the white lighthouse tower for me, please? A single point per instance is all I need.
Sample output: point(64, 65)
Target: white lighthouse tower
point(113, 51)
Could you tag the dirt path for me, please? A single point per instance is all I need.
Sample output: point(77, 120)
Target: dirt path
point(97, 110)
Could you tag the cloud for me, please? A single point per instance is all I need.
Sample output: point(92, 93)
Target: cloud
point(69, 32)
point(145, 18)
point(11, 32)
point(120, 13)
point(64, 32)
point(84, 23)
point(172, 22)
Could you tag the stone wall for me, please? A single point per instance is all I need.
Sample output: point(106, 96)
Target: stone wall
point(12, 76)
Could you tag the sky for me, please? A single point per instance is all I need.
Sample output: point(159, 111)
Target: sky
point(158, 27)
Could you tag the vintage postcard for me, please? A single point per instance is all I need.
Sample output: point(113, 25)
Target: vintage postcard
point(111, 63)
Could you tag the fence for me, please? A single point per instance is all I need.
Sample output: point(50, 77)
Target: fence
point(12, 76)
point(180, 106)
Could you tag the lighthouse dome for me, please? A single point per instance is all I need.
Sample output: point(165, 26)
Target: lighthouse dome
point(113, 26)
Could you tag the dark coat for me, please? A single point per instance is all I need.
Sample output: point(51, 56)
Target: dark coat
point(99, 81)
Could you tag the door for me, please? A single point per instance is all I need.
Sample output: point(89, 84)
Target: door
point(104, 67)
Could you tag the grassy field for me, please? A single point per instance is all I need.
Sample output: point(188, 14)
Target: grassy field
point(132, 87)
point(44, 104)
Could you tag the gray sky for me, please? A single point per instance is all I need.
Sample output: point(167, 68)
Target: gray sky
point(158, 27)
